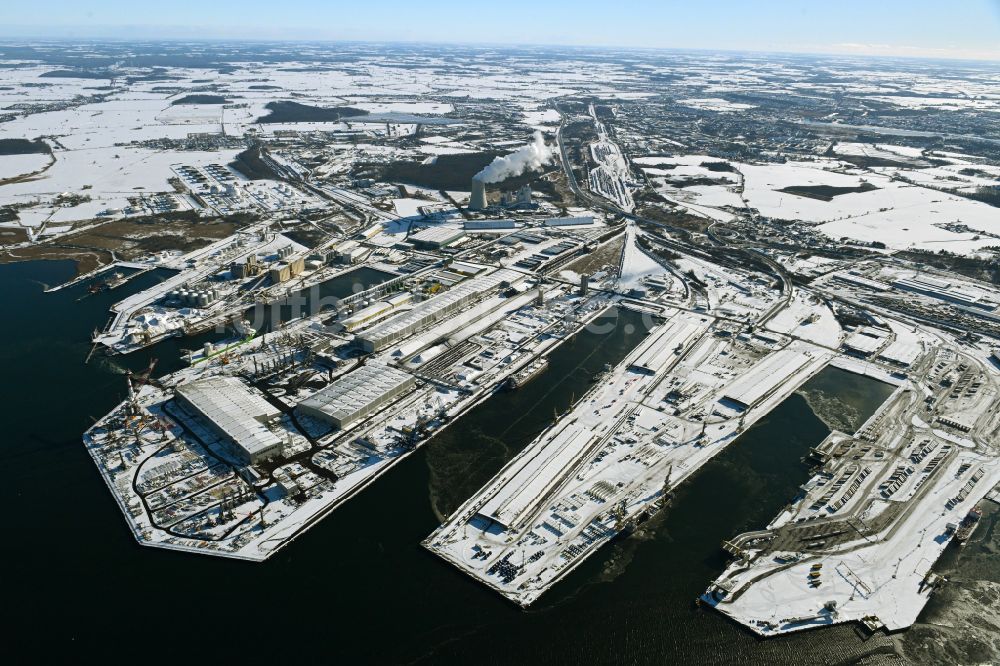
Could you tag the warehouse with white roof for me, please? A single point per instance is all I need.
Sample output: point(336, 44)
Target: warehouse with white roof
point(666, 346)
point(901, 353)
point(750, 388)
point(236, 414)
point(357, 395)
point(437, 237)
point(432, 310)
point(520, 495)
point(862, 343)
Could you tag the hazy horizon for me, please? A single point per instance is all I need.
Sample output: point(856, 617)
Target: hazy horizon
point(919, 29)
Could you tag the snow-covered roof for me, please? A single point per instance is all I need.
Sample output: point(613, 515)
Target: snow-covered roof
point(532, 481)
point(766, 376)
point(355, 392)
point(235, 410)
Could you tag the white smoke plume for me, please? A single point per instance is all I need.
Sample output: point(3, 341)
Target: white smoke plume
point(533, 156)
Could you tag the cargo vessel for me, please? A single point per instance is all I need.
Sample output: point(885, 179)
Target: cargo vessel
point(527, 373)
point(968, 526)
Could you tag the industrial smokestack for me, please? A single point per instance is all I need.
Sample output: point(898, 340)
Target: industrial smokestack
point(478, 199)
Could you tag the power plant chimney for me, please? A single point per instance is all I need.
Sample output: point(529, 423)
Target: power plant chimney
point(477, 201)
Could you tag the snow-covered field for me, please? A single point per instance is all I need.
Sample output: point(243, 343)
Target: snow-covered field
point(108, 176)
point(12, 166)
point(714, 104)
point(897, 214)
point(636, 264)
point(900, 214)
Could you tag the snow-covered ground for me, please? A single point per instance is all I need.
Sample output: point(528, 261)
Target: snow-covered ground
point(19, 165)
point(636, 264)
point(899, 214)
point(714, 104)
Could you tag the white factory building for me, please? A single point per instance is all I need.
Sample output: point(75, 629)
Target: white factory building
point(943, 290)
point(901, 353)
point(750, 388)
point(437, 237)
point(864, 342)
point(568, 221)
point(666, 347)
point(432, 310)
point(376, 311)
point(236, 414)
point(519, 496)
point(357, 395)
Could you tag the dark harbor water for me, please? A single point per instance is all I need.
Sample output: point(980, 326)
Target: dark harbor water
point(358, 588)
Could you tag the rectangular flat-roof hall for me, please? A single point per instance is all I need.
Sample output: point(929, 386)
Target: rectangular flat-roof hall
point(236, 413)
point(356, 395)
point(765, 377)
point(432, 310)
point(529, 485)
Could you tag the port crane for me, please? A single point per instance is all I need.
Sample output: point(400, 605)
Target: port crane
point(143, 378)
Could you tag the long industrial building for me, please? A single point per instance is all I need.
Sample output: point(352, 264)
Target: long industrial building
point(235, 413)
point(750, 388)
point(537, 477)
point(376, 311)
point(568, 221)
point(861, 281)
point(357, 395)
point(432, 310)
point(489, 225)
point(666, 345)
point(436, 238)
point(942, 290)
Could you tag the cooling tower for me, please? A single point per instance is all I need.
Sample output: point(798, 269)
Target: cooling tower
point(478, 199)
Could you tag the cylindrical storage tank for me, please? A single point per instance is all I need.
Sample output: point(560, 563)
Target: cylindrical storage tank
point(209, 348)
point(202, 300)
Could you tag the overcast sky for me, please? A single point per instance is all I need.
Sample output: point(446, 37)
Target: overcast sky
point(928, 28)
